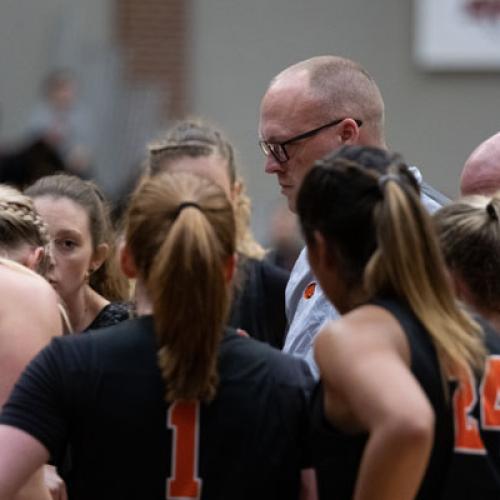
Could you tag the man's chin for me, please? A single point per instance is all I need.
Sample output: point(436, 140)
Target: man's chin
point(292, 205)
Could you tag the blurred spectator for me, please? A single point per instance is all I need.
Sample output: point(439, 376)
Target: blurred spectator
point(60, 121)
point(285, 242)
point(22, 167)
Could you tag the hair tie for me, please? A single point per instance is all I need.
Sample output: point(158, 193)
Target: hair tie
point(186, 204)
point(492, 211)
point(384, 179)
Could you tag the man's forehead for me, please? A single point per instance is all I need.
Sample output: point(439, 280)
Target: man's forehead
point(287, 108)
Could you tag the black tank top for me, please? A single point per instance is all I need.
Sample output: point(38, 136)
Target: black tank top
point(337, 455)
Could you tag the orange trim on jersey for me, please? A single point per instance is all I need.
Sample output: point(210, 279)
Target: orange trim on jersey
point(309, 291)
point(490, 394)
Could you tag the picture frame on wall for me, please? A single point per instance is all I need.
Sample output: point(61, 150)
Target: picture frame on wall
point(457, 35)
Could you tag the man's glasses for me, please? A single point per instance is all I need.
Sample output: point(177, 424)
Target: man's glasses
point(277, 149)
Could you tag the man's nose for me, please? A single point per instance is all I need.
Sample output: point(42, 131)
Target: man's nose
point(272, 166)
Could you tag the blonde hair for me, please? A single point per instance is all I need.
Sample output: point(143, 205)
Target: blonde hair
point(195, 138)
point(469, 231)
point(180, 231)
point(366, 204)
point(20, 224)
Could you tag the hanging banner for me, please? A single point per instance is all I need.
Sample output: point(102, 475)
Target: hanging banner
point(457, 34)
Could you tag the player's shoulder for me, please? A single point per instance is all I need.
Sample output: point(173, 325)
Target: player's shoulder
point(245, 355)
point(27, 300)
point(19, 280)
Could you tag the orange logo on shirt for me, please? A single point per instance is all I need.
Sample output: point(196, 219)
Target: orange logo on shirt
point(309, 291)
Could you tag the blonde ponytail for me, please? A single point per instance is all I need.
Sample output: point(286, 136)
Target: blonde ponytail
point(408, 262)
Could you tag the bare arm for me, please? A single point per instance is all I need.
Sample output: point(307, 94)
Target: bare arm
point(21, 456)
point(308, 490)
point(363, 360)
point(29, 318)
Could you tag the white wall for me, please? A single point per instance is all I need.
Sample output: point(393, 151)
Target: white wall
point(435, 120)
point(238, 45)
point(36, 36)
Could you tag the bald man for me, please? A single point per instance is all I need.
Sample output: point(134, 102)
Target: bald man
point(309, 110)
point(481, 172)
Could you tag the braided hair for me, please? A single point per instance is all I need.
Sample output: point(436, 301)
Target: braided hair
point(20, 224)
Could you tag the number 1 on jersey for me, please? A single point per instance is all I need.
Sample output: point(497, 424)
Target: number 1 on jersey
point(184, 420)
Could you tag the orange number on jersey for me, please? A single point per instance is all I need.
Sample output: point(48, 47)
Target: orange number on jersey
point(490, 394)
point(467, 438)
point(184, 420)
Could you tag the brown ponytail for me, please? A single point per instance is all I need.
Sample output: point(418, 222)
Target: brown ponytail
point(181, 232)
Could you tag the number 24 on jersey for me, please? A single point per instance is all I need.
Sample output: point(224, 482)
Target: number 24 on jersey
point(467, 436)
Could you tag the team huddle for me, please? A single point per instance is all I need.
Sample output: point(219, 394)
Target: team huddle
point(149, 364)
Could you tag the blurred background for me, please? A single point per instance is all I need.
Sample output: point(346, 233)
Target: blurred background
point(128, 68)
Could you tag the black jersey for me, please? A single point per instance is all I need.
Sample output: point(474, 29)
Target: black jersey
point(475, 468)
point(259, 300)
point(102, 393)
point(111, 314)
point(337, 455)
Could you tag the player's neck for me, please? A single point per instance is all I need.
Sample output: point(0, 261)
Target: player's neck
point(143, 304)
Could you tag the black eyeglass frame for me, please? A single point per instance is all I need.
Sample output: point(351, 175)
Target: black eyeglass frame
point(275, 148)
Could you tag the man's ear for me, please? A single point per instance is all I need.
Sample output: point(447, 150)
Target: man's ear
point(127, 262)
point(349, 132)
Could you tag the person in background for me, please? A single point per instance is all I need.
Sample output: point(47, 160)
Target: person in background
point(84, 270)
point(284, 238)
point(171, 404)
point(62, 123)
point(258, 305)
point(386, 363)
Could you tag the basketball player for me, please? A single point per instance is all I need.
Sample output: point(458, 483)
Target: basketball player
point(386, 362)
point(168, 405)
point(29, 318)
point(469, 231)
